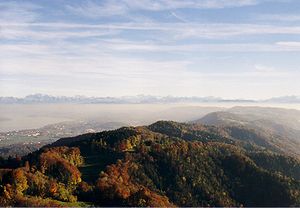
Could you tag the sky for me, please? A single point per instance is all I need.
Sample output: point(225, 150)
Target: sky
point(247, 49)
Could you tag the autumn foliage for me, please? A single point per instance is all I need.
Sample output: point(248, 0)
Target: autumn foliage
point(165, 164)
point(116, 185)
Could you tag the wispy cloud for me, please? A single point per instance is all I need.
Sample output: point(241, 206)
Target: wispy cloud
point(96, 9)
point(195, 4)
point(145, 46)
point(279, 17)
point(264, 69)
point(175, 31)
point(26, 33)
point(16, 11)
point(289, 44)
point(178, 17)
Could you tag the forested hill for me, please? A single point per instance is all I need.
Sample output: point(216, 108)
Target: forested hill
point(276, 129)
point(164, 164)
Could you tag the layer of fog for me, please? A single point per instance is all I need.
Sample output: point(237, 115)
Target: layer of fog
point(27, 116)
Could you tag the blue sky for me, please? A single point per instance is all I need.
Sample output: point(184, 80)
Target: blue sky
point(225, 48)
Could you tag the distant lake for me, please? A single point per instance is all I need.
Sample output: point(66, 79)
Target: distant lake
point(26, 116)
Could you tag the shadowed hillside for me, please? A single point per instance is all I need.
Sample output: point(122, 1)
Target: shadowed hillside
point(272, 128)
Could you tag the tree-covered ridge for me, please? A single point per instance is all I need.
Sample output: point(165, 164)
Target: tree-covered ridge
point(164, 164)
point(275, 129)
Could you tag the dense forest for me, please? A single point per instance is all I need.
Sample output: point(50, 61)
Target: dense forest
point(164, 164)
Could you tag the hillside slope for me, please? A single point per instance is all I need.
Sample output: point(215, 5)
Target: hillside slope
point(259, 129)
point(164, 164)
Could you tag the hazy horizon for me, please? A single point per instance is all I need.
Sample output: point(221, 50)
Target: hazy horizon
point(31, 116)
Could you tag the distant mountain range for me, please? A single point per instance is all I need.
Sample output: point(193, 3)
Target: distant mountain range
point(285, 99)
point(138, 99)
